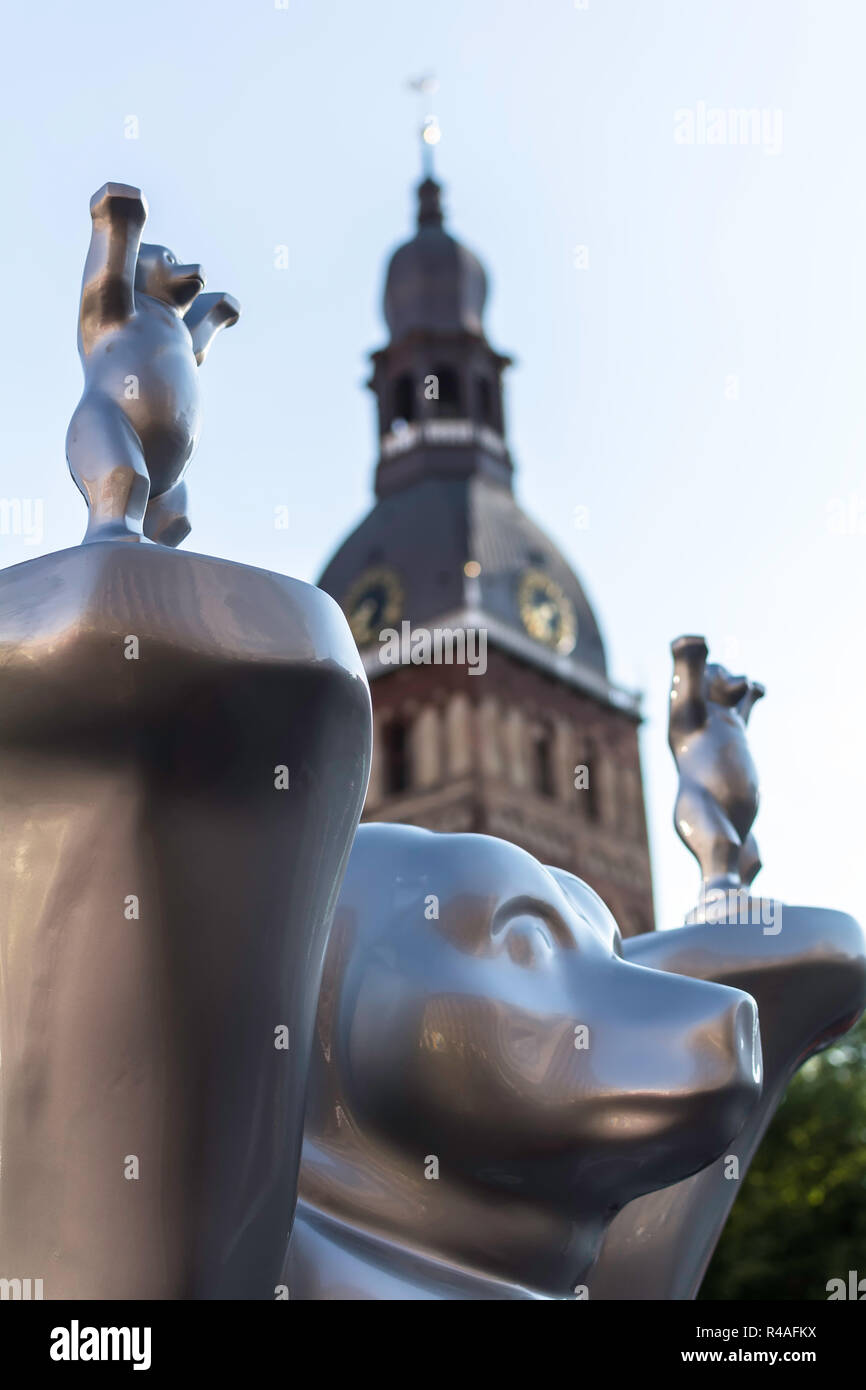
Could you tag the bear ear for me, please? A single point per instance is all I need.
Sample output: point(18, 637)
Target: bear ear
point(729, 689)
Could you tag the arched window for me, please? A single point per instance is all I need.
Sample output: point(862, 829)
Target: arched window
point(448, 402)
point(395, 747)
point(542, 760)
point(484, 394)
point(404, 398)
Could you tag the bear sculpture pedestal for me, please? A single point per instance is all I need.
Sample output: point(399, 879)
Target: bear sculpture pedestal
point(184, 750)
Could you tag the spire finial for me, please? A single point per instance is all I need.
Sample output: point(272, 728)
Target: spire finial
point(429, 130)
point(429, 203)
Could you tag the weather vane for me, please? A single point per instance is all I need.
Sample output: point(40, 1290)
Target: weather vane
point(429, 128)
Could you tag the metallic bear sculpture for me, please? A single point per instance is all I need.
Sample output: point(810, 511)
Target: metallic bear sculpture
point(144, 329)
point(491, 1081)
point(184, 753)
point(805, 967)
point(718, 792)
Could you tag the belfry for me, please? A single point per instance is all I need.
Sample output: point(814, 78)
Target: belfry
point(542, 749)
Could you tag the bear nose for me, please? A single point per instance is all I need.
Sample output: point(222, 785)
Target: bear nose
point(685, 1060)
point(746, 1036)
point(192, 272)
point(727, 1080)
point(727, 1046)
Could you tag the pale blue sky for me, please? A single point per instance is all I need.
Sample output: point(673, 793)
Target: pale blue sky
point(262, 126)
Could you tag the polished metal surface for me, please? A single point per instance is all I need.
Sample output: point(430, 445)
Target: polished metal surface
point(491, 1080)
point(804, 966)
point(184, 753)
point(184, 749)
point(144, 329)
point(717, 800)
point(807, 973)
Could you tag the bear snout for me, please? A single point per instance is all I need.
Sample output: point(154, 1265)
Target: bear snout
point(191, 274)
point(680, 1072)
point(728, 1074)
point(746, 1035)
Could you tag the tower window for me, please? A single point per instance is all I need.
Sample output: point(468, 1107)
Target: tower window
point(395, 747)
point(448, 402)
point(484, 392)
point(404, 398)
point(542, 761)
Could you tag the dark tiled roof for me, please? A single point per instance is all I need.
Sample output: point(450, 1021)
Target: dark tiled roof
point(433, 282)
point(507, 544)
point(427, 533)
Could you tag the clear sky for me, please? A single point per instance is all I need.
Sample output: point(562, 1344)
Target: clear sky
point(695, 377)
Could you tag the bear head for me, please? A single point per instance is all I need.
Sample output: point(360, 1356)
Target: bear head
point(721, 687)
point(159, 275)
point(476, 1006)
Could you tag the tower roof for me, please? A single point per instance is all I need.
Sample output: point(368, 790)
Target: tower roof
point(447, 544)
point(445, 548)
point(433, 282)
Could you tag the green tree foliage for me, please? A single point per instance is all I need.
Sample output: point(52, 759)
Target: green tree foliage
point(801, 1216)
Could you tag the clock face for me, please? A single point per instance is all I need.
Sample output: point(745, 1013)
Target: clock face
point(547, 614)
point(374, 602)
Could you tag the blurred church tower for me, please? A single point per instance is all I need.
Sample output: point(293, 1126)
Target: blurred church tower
point(447, 546)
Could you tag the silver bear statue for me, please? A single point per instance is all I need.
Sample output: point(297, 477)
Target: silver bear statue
point(717, 799)
point(144, 329)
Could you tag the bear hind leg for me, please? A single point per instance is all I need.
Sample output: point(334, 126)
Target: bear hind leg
point(106, 461)
point(749, 862)
point(166, 521)
point(705, 829)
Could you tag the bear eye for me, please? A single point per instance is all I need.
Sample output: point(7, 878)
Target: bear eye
point(528, 941)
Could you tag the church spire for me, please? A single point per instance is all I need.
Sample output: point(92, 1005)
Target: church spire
point(447, 546)
point(438, 381)
point(429, 129)
point(429, 203)
point(430, 137)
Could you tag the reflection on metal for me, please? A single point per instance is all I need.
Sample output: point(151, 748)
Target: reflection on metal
point(490, 1079)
